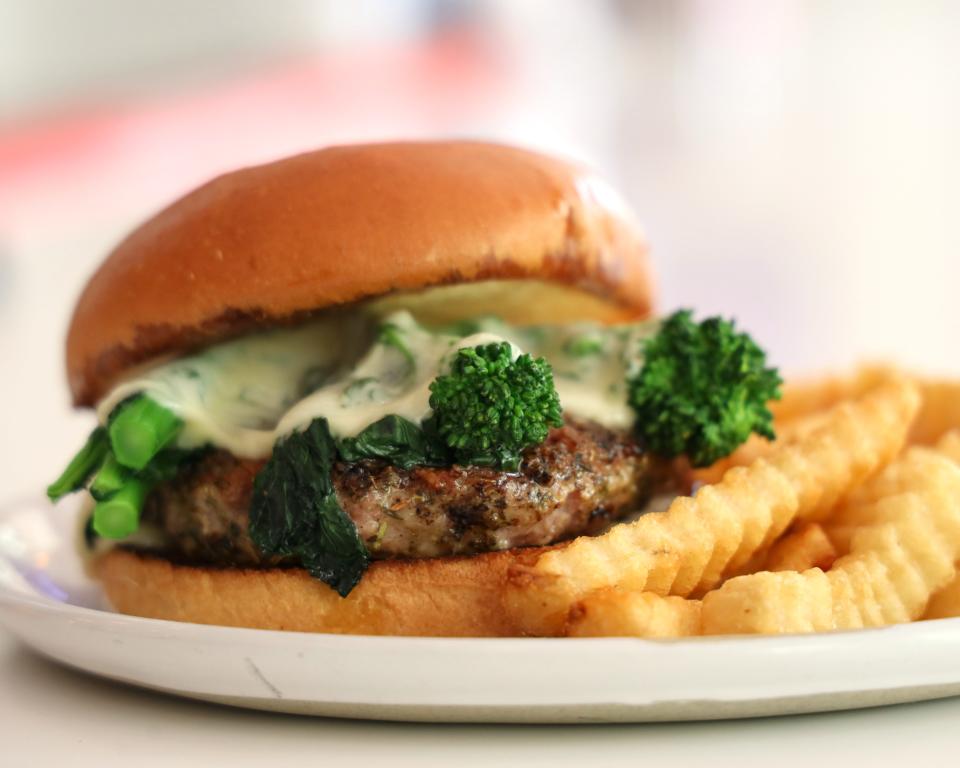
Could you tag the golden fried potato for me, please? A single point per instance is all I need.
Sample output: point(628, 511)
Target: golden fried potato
point(612, 613)
point(949, 445)
point(840, 537)
point(939, 413)
point(755, 448)
point(849, 517)
point(758, 447)
point(904, 549)
point(806, 403)
point(807, 397)
point(767, 602)
point(919, 468)
point(945, 604)
point(691, 547)
point(807, 547)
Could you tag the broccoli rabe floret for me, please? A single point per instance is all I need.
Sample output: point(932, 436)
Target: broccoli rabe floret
point(490, 406)
point(702, 389)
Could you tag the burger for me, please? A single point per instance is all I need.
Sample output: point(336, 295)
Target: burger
point(350, 390)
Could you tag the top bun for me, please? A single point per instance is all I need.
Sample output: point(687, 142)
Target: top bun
point(272, 244)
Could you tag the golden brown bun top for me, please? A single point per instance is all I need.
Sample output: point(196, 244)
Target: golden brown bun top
point(271, 244)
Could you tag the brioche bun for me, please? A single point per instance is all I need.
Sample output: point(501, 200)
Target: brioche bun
point(441, 597)
point(273, 244)
point(448, 230)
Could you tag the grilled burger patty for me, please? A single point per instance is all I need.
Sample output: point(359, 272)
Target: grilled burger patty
point(578, 481)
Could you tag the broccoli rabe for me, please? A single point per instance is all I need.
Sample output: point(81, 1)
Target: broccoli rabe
point(139, 428)
point(702, 389)
point(125, 459)
point(82, 466)
point(295, 511)
point(490, 406)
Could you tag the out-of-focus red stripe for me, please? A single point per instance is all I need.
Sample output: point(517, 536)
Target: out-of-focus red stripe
point(166, 143)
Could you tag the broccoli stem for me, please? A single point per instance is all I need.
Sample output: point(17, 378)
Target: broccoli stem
point(119, 515)
point(110, 478)
point(139, 430)
point(81, 466)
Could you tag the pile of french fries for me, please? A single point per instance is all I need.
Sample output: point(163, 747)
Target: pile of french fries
point(850, 519)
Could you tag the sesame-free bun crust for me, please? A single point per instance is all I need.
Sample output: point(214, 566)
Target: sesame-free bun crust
point(272, 244)
point(445, 597)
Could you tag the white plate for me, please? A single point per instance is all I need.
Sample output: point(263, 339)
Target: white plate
point(46, 601)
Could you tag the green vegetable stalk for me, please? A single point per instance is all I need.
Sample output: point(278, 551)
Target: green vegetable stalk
point(109, 479)
point(139, 429)
point(702, 389)
point(125, 461)
point(118, 515)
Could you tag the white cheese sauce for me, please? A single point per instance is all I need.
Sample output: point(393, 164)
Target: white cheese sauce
point(244, 395)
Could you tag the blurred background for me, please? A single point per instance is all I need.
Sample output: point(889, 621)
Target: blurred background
point(795, 164)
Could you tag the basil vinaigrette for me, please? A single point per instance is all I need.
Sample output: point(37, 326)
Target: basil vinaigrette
point(353, 369)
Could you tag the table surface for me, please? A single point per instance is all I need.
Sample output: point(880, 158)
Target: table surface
point(50, 714)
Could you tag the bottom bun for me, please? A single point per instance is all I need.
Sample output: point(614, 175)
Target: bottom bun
point(446, 597)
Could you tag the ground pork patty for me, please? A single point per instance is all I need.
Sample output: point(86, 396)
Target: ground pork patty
point(578, 481)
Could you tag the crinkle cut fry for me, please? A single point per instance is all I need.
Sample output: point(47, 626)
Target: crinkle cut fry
point(804, 403)
point(804, 397)
point(949, 445)
point(845, 522)
point(616, 613)
point(613, 613)
point(939, 410)
point(692, 546)
point(806, 547)
point(855, 511)
point(904, 550)
point(946, 602)
point(804, 406)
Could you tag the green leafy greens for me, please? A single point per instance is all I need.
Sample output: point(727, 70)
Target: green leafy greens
point(391, 335)
point(295, 511)
point(702, 389)
point(396, 440)
point(584, 345)
point(82, 466)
